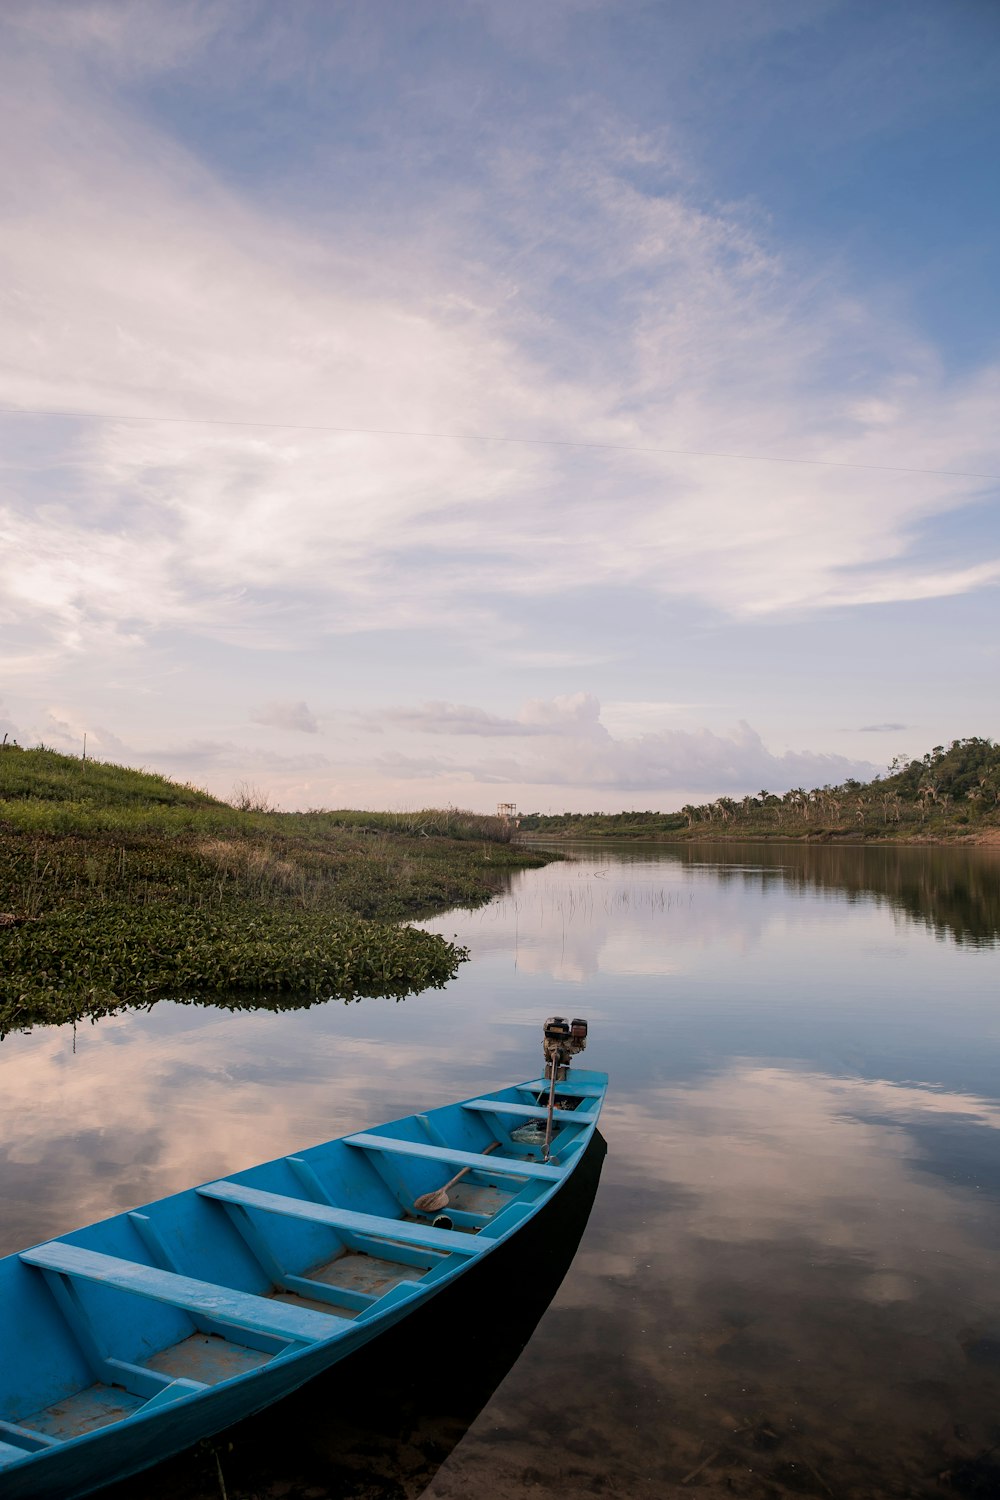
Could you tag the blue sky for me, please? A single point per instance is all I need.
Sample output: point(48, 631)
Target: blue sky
point(397, 338)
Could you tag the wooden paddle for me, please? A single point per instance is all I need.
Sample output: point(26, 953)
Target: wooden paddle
point(432, 1203)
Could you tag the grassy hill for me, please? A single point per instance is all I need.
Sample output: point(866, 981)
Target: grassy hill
point(119, 887)
point(951, 794)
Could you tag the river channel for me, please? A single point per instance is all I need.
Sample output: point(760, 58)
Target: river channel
point(788, 1282)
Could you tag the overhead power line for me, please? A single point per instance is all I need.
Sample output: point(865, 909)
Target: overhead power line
point(479, 437)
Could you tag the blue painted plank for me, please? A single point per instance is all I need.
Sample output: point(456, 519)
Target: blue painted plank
point(243, 1309)
point(529, 1111)
point(345, 1218)
point(503, 1165)
point(138, 1380)
point(175, 1391)
point(11, 1455)
point(28, 1437)
point(403, 1291)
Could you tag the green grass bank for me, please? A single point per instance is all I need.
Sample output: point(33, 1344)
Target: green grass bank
point(119, 887)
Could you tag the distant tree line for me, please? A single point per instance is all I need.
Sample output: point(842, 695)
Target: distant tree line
point(950, 789)
point(619, 825)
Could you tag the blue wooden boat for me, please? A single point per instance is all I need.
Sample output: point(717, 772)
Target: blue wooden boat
point(137, 1337)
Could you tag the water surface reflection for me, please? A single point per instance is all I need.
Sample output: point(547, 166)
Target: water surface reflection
point(952, 890)
point(788, 1284)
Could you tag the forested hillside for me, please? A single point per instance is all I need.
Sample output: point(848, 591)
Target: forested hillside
point(951, 792)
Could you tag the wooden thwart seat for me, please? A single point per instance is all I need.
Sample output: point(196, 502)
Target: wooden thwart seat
point(401, 1230)
point(529, 1111)
point(568, 1086)
point(202, 1298)
point(513, 1166)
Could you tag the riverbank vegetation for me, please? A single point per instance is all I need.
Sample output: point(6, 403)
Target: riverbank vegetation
point(118, 887)
point(951, 794)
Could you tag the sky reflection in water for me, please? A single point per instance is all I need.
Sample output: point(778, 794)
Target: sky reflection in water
point(789, 1280)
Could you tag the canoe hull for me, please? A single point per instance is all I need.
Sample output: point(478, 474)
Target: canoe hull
point(82, 1467)
point(130, 1285)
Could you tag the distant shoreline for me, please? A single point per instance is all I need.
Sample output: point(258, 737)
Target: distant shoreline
point(983, 838)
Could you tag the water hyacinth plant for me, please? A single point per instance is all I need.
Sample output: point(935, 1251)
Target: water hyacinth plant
point(118, 887)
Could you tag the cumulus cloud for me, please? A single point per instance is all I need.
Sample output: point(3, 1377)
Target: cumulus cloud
point(697, 759)
point(574, 713)
point(286, 715)
point(574, 749)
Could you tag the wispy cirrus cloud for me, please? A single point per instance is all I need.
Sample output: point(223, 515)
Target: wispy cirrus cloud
point(446, 382)
point(141, 286)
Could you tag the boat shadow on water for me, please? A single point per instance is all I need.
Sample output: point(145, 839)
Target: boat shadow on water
point(382, 1422)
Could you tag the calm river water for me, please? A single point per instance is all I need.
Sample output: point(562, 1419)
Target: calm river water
point(788, 1282)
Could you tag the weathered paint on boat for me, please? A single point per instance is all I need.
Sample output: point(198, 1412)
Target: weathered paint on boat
point(136, 1337)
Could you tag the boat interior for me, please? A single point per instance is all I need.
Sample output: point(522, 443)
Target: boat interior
point(150, 1307)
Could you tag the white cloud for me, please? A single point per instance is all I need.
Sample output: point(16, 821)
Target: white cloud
point(137, 284)
point(574, 714)
point(563, 756)
point(575, 749)
point(626, 718)
point(286, 715)
point(452, 718)
point(575, 282)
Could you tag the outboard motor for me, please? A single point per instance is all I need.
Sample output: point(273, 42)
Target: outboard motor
point(562, 1040)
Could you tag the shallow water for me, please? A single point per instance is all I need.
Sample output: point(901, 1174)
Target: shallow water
point(788, 1282)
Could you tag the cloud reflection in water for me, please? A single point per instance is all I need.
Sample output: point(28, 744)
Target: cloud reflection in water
point(772, 1282)
point(788, 1283)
